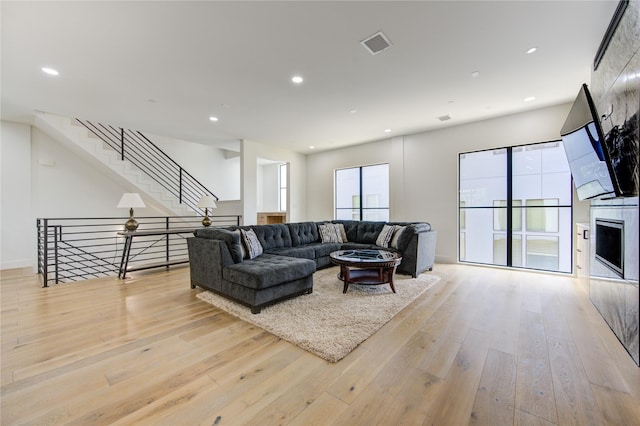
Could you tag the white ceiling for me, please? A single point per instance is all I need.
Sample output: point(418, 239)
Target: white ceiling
point(165, 67)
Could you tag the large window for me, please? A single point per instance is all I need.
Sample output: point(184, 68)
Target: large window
point(282, 193)
point(362, 193)
point(515, 207)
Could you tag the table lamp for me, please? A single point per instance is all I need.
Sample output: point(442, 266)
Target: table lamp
point(207, 202)
point(130, 200)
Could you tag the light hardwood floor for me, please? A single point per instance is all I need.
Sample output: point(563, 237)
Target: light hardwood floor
point(484, 346)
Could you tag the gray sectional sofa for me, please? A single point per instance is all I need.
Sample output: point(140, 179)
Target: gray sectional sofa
point(291, 254)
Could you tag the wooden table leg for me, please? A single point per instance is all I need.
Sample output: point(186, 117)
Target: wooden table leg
point(345, 278)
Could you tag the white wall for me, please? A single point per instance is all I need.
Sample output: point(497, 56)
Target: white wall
point(297, 202)
point(64, 185)
point(267, 187)
point(424, 169)
point(17, 225)
point(208, 164)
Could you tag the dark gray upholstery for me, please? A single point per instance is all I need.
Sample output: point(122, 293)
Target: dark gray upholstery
point(268, 270)
point(303, 233)
point(256, 282)
point(292, 253)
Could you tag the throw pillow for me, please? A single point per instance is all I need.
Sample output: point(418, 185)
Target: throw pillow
point(341, 232)
point(252, 244)
point(237, 249)
point(329, 233)
point(384, 237)
point(396, 236)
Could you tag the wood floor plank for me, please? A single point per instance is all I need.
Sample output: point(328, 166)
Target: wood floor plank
point(534, 385)
point(496, 396)
point(146, 351)
point(454, 402)
point(617, 408)
point(574, 398)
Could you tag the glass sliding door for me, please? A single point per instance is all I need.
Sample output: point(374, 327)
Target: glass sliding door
point(516, 205)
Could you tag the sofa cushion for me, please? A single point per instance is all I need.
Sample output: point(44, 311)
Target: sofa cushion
point(350, 228)
point(273, 236)
point(231, 238)
point(324, 249)
point(368, 232)
point(268, 270)
point(302, 252)
point(303, 233)
point(252, 244)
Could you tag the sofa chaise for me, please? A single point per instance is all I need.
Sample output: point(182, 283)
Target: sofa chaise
point(290, 253)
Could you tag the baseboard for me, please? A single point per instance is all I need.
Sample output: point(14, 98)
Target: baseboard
point(16, 272)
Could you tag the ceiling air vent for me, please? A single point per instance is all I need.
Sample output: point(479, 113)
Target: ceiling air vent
point(444, 117)
point(376, 43)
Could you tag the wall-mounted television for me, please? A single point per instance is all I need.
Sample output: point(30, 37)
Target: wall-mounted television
point(588, 159)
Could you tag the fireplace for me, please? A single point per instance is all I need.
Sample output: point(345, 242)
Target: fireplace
point(610, 244)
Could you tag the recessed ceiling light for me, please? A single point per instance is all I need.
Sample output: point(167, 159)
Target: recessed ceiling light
point(50, 71)
point(529, 99)
point(475, 74)
point(212, 118)
point(387, 130)
point(297, 79)
point(312, 147)
point(533, 49)
point(353, 111)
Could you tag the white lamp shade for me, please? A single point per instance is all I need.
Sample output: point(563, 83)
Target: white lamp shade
point(207, 202)
point(130, 200)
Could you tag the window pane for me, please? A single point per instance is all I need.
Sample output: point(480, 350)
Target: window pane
point(283, 199)
point(463, 247)
point(479, 235)
point(347, 186)
point(348, 214)
point(375, 186)
point(500, 249)
point(540, 218)
point(542, 171)
point(542, 252)
point(500, 215)
point(516, 250)
point(483, 177)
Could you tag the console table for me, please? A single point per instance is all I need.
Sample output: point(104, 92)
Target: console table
point(128, 241)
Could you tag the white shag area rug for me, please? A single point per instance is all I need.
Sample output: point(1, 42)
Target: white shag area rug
point(327, 322)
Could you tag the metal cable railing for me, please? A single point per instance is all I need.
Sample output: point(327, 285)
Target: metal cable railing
point(73, 249)
point(147, 157)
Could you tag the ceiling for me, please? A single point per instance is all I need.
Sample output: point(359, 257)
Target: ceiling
point(166, 67)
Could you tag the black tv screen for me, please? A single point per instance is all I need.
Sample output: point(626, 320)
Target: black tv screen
point(582, 138)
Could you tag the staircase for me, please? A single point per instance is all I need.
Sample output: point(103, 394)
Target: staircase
point(132, 160)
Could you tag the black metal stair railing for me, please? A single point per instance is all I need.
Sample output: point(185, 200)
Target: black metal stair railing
point(73, 249)
point(147, 157)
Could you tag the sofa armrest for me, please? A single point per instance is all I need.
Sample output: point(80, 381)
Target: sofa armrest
point(207, 258)
point(420, 253)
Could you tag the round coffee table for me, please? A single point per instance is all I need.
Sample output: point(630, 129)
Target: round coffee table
point(368, 267)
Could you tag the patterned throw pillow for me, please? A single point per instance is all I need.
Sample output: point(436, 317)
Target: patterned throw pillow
point(251, 242)
point(329, 233)
point(341, 232)
point(385, 235)
point(396, 236)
